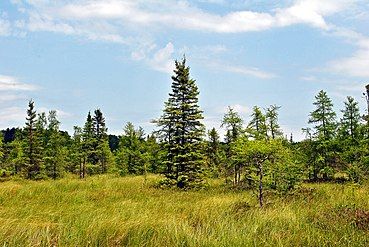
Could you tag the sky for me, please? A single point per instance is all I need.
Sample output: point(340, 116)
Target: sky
point(74, 56)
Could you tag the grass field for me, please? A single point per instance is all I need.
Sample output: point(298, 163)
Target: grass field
point(116, 211)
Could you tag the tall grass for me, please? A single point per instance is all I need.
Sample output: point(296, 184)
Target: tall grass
point(115, 211)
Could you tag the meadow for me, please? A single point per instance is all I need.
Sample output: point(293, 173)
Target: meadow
point(109, 210)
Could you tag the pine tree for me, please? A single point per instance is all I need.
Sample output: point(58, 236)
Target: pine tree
point(182, 121)
point(33, 144)
point(272, 121)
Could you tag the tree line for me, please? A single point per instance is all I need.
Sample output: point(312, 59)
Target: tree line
point(254, 155)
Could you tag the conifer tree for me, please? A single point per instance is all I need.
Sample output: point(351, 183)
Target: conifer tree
point(1, 149)
point(350, 122)
point(233, 124)
point(76, 152)
point(324, 120)
point(183, 116)
point(257, 127)
point(214, 151)
point(272, 121)
point(102, 151)
point(88, 144)
point(131, 150)
point(166, 134)
point(323, 117)
point(55, 154)
point(33, 145)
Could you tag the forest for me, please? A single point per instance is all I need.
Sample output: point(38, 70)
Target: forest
point(181, 156)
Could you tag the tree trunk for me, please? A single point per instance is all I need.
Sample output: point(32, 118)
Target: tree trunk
point(260, 165)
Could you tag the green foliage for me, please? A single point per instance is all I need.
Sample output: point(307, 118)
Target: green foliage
point(130, 156)
point(182, 130)
point(232, 122)
point(270, 161)
point(323, 117)
point(257, 128)
point(33, 143)
point(215, 155)
point(272, 122)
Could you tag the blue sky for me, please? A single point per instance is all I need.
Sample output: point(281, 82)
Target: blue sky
point(78, 55)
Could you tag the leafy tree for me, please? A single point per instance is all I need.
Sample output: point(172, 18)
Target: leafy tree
point(181, 121)
point(33, 144)
point(268, 163)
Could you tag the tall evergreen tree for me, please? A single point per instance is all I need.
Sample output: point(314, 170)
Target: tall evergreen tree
point(33, 145)
point(183, 116)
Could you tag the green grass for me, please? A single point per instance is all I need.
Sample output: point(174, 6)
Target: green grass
point(116, 211)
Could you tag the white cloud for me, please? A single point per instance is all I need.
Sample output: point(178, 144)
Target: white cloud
point(161, 60)
point(60, 113)
point(11, 93)
point(12, 116)
point(356, 65)
point(5, 29)
point(240, 109)
point(238, 69)
point(49, 15)
point(10, 97)
point(9, 83)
